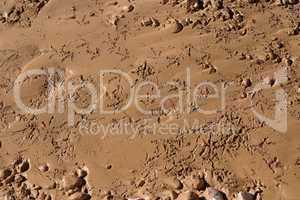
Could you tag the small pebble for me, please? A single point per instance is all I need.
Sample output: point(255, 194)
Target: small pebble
point(108, 166)
point(44, 168)
point(247, 82)
point(177, 27)
point(129, 8)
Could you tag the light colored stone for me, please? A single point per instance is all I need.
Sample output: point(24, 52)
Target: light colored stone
point(44, 168)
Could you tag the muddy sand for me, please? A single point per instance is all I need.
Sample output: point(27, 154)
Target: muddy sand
point(150, 99)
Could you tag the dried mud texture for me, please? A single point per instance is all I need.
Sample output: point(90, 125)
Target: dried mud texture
point(229, 154)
